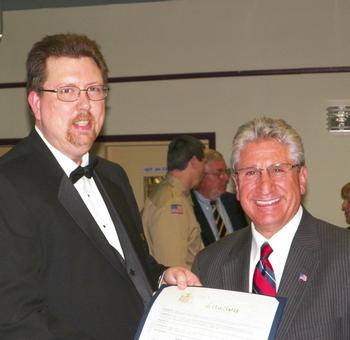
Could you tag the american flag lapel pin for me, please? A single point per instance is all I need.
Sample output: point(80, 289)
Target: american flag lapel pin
point(302, 277)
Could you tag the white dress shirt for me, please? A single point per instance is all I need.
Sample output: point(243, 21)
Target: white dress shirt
point(279, 242)
point(90, 194)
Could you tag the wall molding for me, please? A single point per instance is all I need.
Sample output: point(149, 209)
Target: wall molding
point(214, 74)
point(210, 136)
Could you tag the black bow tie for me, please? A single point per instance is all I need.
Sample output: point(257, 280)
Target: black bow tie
point(81, 171)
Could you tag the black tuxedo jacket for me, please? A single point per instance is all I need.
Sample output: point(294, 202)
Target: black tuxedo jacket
point(234, 212)
point(59, 277)
point(315, 279)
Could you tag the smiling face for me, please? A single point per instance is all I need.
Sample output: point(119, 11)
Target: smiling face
point(270, 202)
point(70, 127)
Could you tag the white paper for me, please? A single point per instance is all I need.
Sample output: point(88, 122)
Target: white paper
point(198, 313)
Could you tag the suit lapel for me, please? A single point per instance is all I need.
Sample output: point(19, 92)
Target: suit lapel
point(299, 271)
point(72, 202)
point(207, 234)
point(238, 262)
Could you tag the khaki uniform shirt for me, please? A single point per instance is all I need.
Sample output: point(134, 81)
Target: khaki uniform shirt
point(170, 226)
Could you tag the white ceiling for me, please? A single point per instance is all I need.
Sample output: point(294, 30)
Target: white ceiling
point(13, 5)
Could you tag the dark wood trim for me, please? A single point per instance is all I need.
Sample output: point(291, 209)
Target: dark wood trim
point(220, 74)
point(227, 74)
point(210, 136)
point(9, 141)
point(12, 85)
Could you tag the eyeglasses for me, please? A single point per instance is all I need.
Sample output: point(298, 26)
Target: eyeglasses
point(219, 173)
point(275, 171)
point(72, 93)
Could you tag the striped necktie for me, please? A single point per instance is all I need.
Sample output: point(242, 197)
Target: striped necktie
point(264, 278)
point(218, 220)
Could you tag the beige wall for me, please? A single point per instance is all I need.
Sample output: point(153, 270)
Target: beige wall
point(207, 35)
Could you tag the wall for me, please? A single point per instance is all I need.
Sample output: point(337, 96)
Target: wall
point(182, 36)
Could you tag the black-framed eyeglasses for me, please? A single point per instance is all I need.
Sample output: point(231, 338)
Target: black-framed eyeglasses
point(275, 171)
point(219, 173)
point(71, 93)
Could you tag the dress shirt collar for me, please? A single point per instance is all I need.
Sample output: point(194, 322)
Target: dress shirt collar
point(279, 242)
point(65, 162)
point(282, 240)
point(201, 198)
point(205, 201)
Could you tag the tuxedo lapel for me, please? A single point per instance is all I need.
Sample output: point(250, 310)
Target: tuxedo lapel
point(130, 241)
point(112, 193)
point(299, 271)
point(69, 197)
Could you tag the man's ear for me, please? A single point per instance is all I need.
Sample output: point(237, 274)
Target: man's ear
point(192, 162)
point(235, 181)
point(34, 103)
point(303, 175)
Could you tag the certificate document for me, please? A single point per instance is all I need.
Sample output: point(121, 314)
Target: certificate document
point(199, 313)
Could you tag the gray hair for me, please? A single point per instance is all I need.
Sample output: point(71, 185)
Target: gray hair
point(268, 128)
point(212, 155)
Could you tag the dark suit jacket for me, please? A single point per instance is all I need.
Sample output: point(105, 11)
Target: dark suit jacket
point(59, 277)
point(234, 212)
point(318, 308)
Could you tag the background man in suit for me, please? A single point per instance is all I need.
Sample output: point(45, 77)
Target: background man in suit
point(170, 226)
point(310, 258)
point(217, 211)
point(73, 264)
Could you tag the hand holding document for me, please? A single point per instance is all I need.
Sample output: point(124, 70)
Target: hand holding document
point(198, 313)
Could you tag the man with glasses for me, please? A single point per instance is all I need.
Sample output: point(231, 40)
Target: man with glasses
point(217, 211)
point(73, 263)
point(286, 252)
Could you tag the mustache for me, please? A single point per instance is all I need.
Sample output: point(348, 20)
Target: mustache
point(83, 115)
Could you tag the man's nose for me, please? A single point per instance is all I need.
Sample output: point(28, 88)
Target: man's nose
point(265, 181)
point(225, 177)
point(83, 100)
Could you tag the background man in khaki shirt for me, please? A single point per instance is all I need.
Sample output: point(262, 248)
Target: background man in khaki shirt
point(170, 226)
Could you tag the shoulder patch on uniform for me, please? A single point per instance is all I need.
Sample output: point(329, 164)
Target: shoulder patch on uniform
point(176, 209)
